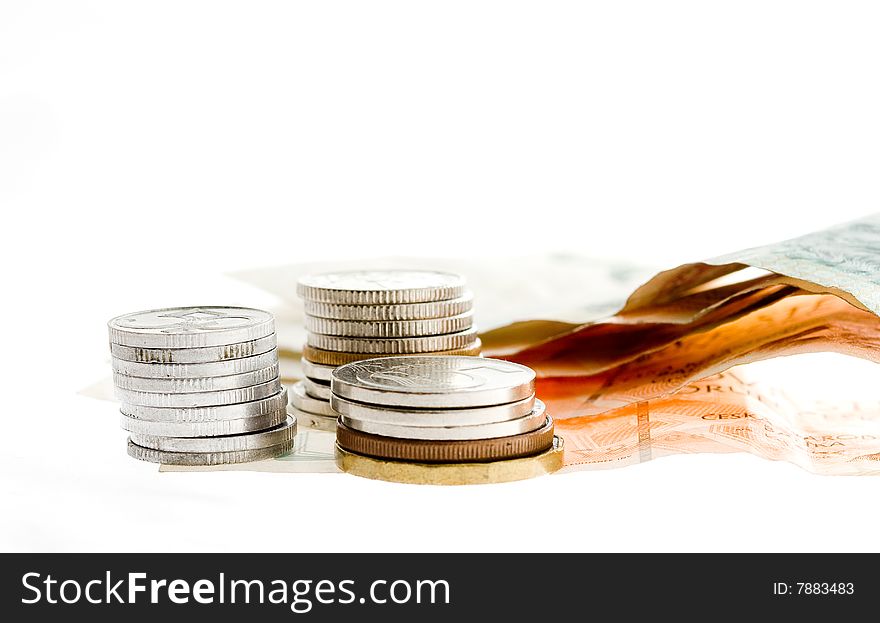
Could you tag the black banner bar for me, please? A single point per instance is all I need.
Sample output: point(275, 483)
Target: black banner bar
point(434, 587)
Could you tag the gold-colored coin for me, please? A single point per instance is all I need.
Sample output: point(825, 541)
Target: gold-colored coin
point(333, 358)
point(445, 451)
point(487, 472)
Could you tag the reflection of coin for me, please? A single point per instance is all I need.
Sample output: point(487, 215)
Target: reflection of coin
point(525, 424)
point(194, 355)
point(485, 472)
point(393, 346)
point(207, 458)
point(313, 420)
point(195, 370)
point(406, 311)
point(302, 401)
point(265, 406)
point(316, 389)
point(390, 328)
point(200, 399)
point(432, 417)
point(333, 358)
point(316, 370)
point(207, 428)
point(227, 443)
point(190, 327)
point(434, 382)
point(380, 287)
point(458, 451)
point(189, 386)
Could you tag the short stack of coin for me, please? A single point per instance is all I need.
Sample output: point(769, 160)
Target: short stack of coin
point(356, 315)
point(441, 420)
point(200, 385)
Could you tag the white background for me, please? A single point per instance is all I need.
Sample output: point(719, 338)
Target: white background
point(146, 148)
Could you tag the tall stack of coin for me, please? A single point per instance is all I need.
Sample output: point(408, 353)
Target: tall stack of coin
point(351, 316)
point(200, 385)
point(442, 420)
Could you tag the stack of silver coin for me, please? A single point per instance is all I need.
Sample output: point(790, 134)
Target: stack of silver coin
point(200, 385)
point(439, 410)
point(352, 316)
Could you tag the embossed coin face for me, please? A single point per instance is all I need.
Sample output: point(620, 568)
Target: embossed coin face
point(433, 382)
point(381, 287)
point(190, 327)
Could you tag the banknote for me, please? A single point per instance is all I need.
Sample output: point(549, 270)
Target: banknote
point(792, 325)
point(737, 411)
point(598, 346)
point(842, 262)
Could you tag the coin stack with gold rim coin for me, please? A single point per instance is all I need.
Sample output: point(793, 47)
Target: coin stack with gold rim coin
point(356, 315)
point(441, 420)
point(200, 385)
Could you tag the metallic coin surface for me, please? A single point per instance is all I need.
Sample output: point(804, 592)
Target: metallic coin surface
point(265, 406)
point(432, 417)
point(302, 401)
point(200, 399)
point(189, 386)
point(226, 443)
point(486, 472)
point(207, 428)
point(207, 458)
point(380, 287)
point(457, 451)
point(316, 371)
point(316, 389)
point(390, 328)
point(332, 358)
point(194, 355)
point(524, 424)
point(393, 346)
point(195, 370)
point(313, 421)
point(434, 382)
point(404, 311)
point(190, 327)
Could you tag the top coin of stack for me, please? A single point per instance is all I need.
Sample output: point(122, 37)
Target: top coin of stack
point(356, 315)
point(200, 385)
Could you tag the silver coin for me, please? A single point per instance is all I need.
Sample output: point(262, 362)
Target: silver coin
point(207, 458)
point(316, 371)
point(226, 443)
point(316, 389)
point(189, 386)
point(314, 421)
point(432, 417)
point(393, 346)
point(390, 328)
point(195, 370)
point(255, 408)
point(401, 311)
point(380, 287)
point(434, 382)
point(194, 355)
point(210, 428)
point(190, 327)
point(302, 401)
point(200, 399)
point(519, 426)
